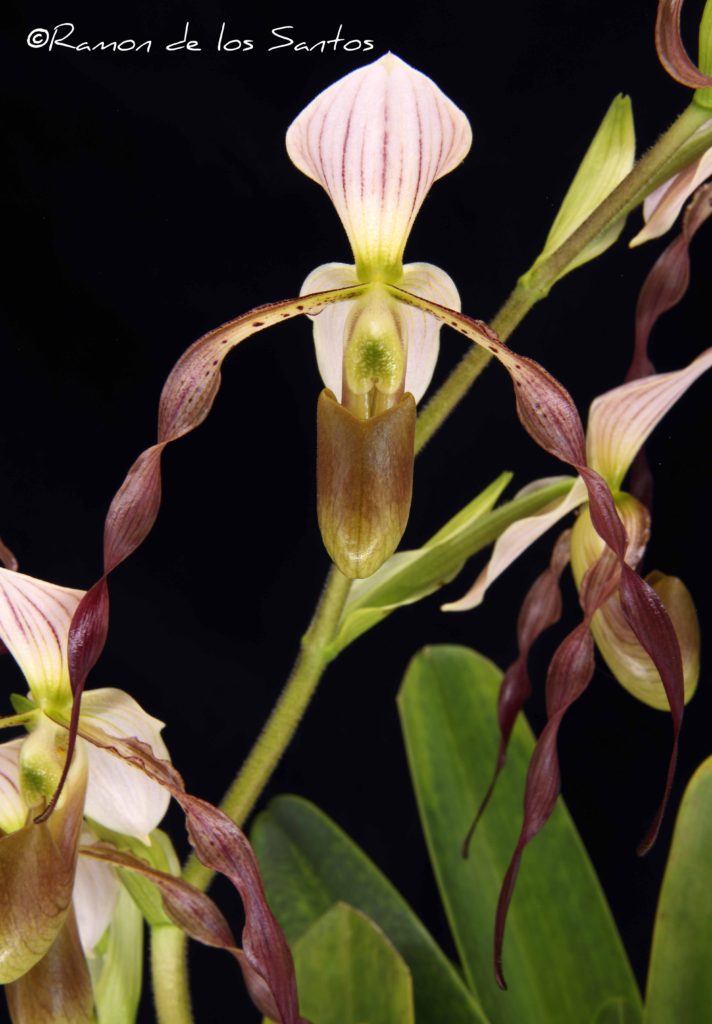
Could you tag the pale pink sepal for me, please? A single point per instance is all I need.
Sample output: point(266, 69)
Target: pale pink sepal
point(420, 332)
point(120, 796)
point(13, 810)
point(661, 207)
point(96, 890)
point(517, 538)
point(620, 421)
point(376, 140)
point(34, 626)
point(330, 322)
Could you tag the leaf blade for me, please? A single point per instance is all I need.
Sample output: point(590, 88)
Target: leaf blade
point(348, 972)
point(680, 975)
point(308, 864)
point(558, 971)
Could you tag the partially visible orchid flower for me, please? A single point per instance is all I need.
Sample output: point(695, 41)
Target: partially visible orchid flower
point(662, 207)
point(619, 424)
point(54, 908)
point(57, 906)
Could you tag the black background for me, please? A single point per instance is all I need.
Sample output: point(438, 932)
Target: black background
point(149, 197)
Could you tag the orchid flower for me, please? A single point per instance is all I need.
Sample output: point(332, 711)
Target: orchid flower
point(620, 422)
point(375, 141)
point(56, 905)
point(59, 907)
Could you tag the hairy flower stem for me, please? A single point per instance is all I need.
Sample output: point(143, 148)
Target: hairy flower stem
point(661, 161)
point(169, 975)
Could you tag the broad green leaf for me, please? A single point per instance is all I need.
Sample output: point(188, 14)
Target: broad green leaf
point(680, 975)
point(409, 576)
point(308, 864)
point(349, 973)
point(608, 159)
point(563, 958)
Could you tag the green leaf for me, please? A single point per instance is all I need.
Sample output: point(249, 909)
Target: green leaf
point(680, 975)
point(563, 957)
point(349, 973)
point(308, 864)
point(608, 159)
point(409, 576)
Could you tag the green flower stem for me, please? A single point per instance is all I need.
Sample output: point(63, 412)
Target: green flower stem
point(656, 166)
point(658, 163)
point(285, 717)
point(169, 975)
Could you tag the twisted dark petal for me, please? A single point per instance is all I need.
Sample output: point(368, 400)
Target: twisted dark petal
point(663, 288)
point(656, 635)
point(186, 400)
point(265, 958)
point(570, 672)
point(548, 414)
point(667, 281)
point(540, 609)
point(196, 914)
point(671, 50)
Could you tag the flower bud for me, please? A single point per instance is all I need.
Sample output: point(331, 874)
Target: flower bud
point(364, 482)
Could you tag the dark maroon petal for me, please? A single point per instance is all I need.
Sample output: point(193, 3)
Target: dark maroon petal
point(656, 635)
point(667, 281)
point(671, 51)
point(663, 288)
point(265, 958)
point(570, 672)
point(197, 915)
point(540, 609)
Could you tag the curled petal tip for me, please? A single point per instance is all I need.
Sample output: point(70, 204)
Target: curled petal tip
point(671, 49)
